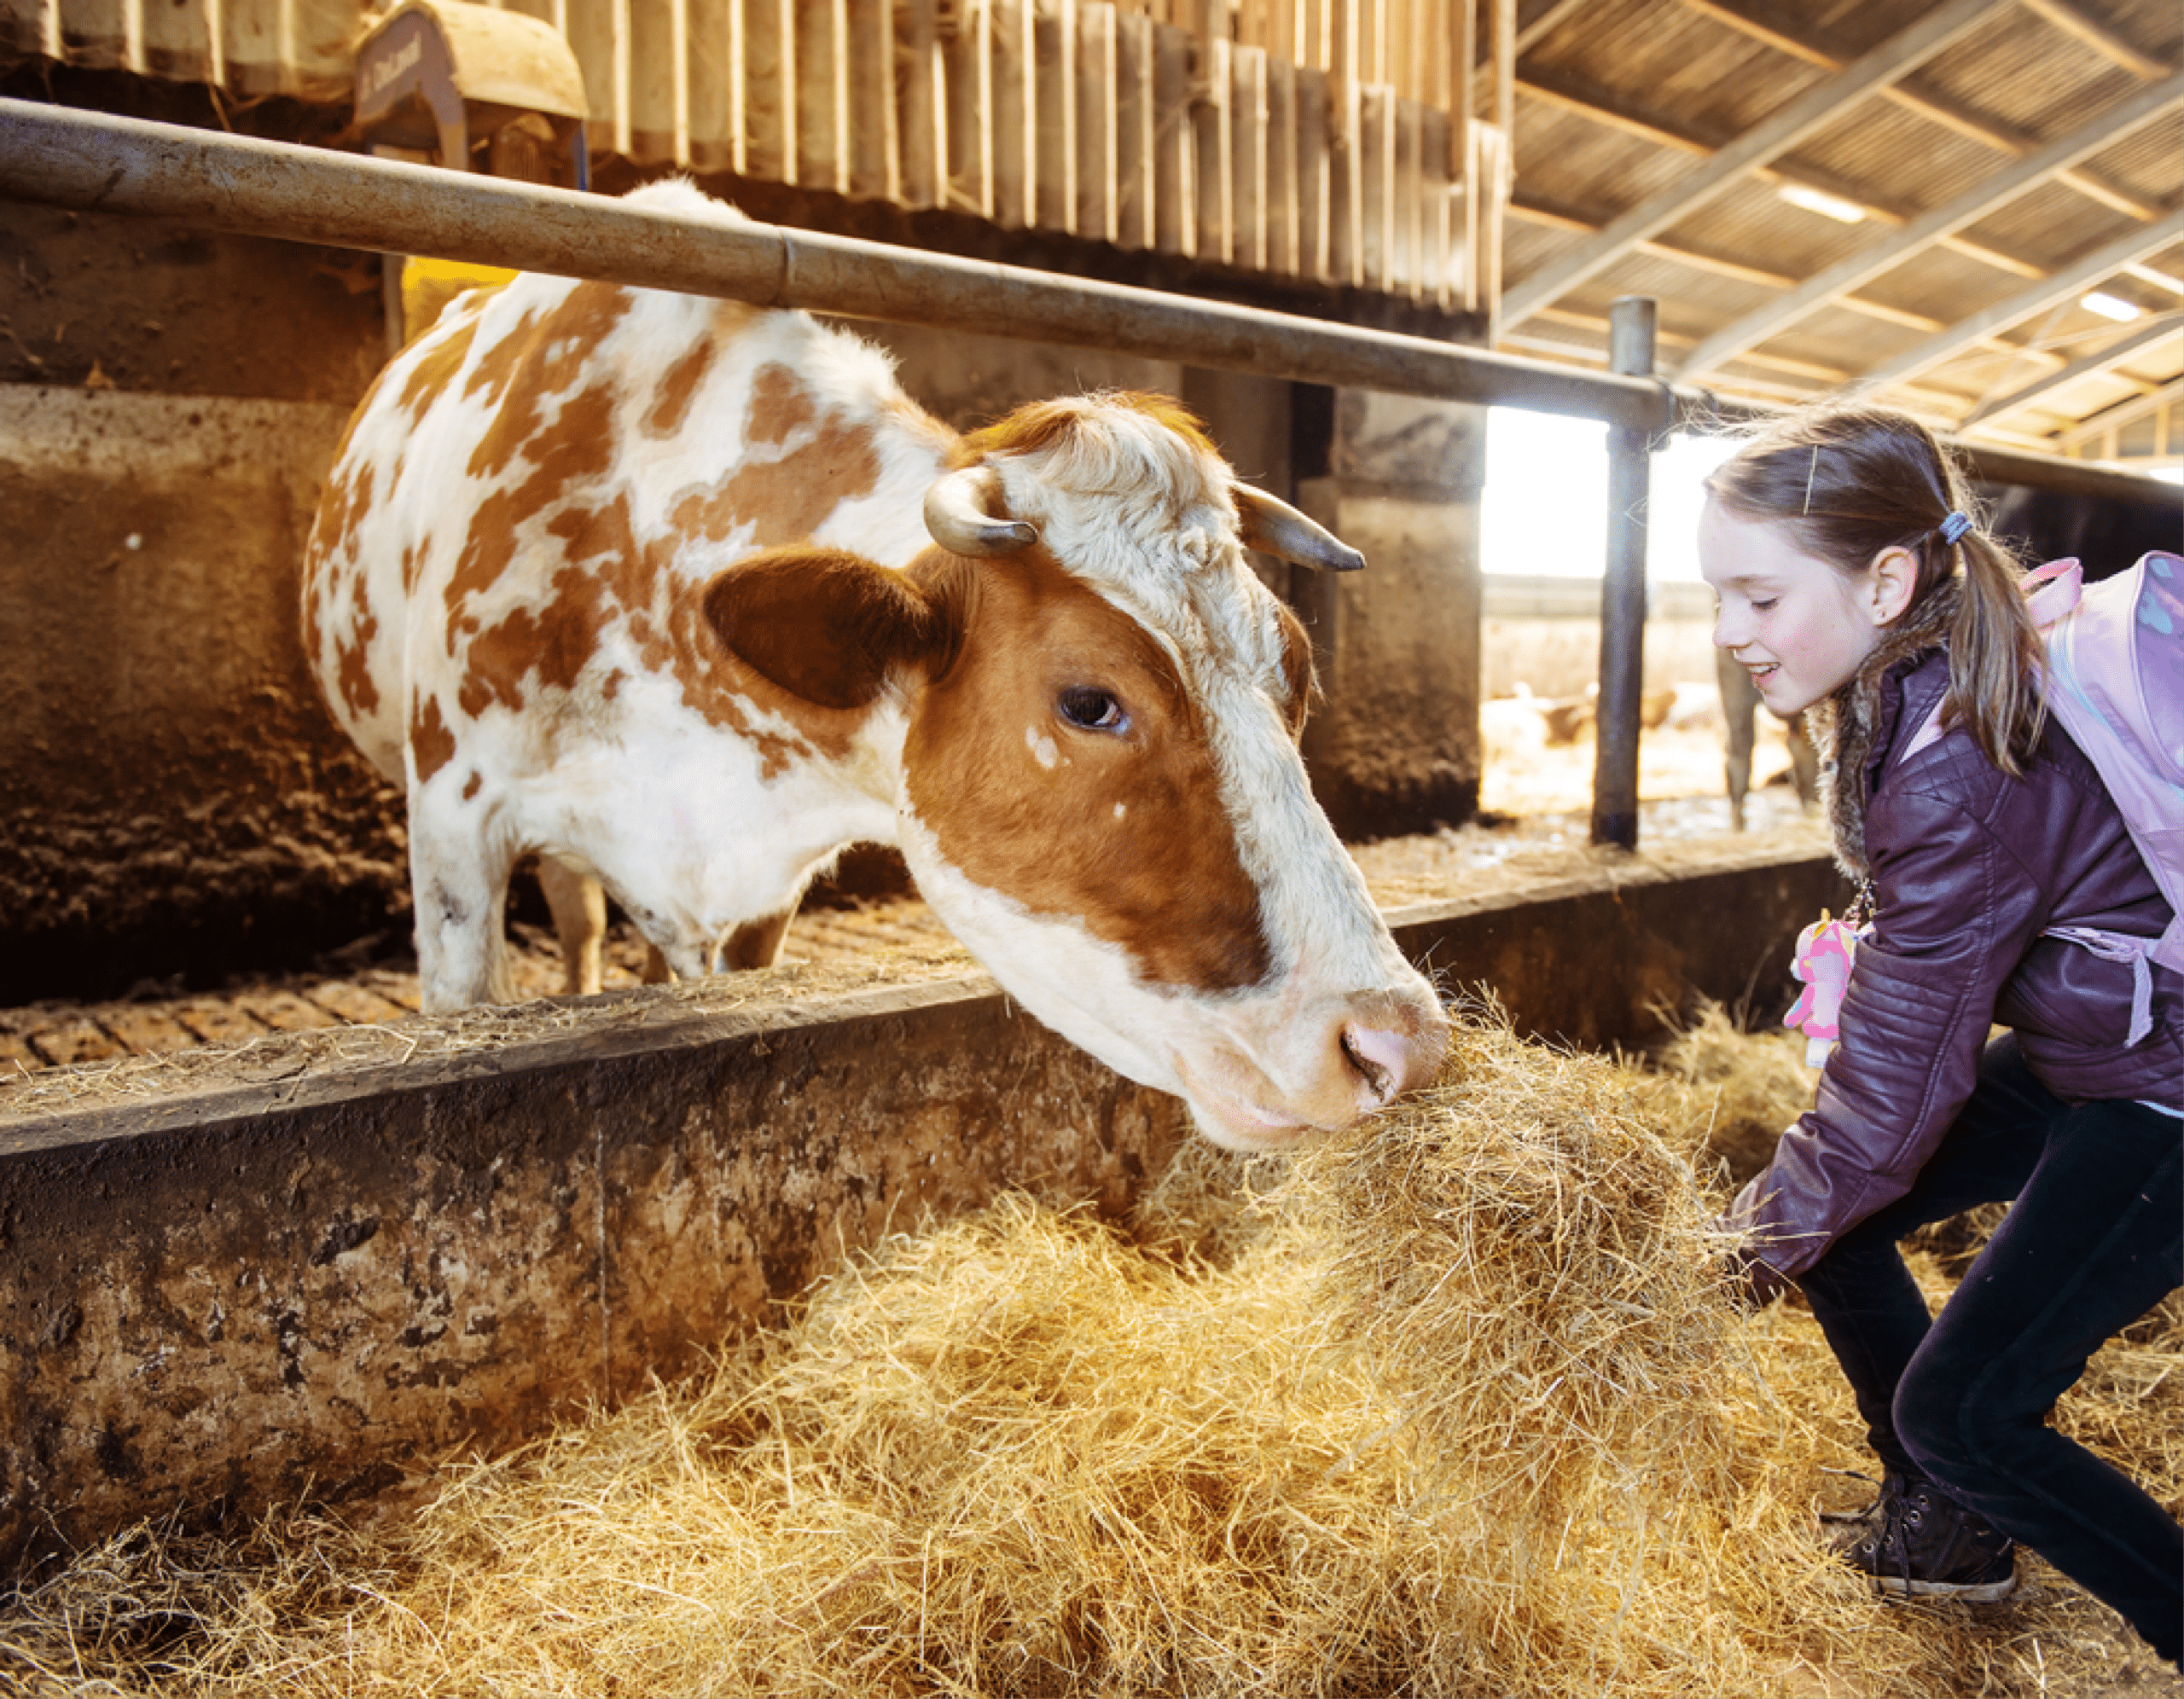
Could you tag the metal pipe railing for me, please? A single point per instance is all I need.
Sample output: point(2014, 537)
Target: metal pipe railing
point(94, 162)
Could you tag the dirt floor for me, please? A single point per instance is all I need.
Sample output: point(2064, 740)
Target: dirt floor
point(1535, 804)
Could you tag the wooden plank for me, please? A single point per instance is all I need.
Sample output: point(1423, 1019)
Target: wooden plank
point(1054, 75)
point(769, 94)
point(874, 146)
point(216, 1021)
point(1136, 115)
point(1174, 177)
point(147, 1030)
point(659, 112)
point(968, 57)
point(1315, 177)
point(1285, 227)
point(1346, 185)
point(821, 54)
point(284, 1011)
point(1409, 197)
point(923, 117)
point(1097, 117)
point(1248, 130)
point(354, 1003)
point(1015, 108)
point(1377, 186)
point(713, 60)
point(1214, 150)
point(69, 1036)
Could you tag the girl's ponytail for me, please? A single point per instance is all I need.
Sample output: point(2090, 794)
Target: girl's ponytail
point(1994, 655)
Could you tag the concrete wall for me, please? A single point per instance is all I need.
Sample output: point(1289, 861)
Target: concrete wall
point(289, 1274)
point(1395, 747)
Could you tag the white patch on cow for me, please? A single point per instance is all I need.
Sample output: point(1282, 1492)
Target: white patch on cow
point(1042, 747)
point(1121, 809)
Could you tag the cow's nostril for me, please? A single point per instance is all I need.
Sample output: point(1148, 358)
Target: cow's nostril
point(1378, 1079)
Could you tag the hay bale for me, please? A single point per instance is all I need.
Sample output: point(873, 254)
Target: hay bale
point(1455, 1406)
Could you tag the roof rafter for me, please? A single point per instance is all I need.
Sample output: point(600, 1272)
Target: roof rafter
point(2089, 270)
point(1603, 108)
point(1757, 146)
point(2160, 328)
point(1782, 33)
point(1846, 276)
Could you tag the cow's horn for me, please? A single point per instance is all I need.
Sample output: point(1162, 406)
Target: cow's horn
point(958, 511)
point(1274, 527)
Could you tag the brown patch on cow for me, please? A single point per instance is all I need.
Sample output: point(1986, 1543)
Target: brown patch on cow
point(352, 656)
point(781, 405)
point(476, 784)
point(678, 390)
point(1026, 804)
point(788, 499)
point(432, 745)
point(1044, 423)
point(542, 357)
point(435, 367)
point(578, 448)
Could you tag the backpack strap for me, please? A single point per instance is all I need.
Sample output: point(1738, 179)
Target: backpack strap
point(2052, 590)
point(2119, 947)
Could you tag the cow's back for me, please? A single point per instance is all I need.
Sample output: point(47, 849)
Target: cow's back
point(526, 499)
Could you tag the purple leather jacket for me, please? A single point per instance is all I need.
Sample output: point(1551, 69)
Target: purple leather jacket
point(1969, 868)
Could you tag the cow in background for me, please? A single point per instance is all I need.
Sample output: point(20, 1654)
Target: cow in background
point(685, 596)
point(1740, 705)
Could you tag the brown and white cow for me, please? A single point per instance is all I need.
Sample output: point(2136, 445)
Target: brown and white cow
point(685, 596)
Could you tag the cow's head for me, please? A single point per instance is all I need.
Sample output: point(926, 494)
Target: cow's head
point(1101, 795)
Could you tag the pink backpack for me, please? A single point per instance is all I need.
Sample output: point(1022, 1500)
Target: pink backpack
point(2116, 681)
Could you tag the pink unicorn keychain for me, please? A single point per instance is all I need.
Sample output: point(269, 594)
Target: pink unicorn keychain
point(1825, 951)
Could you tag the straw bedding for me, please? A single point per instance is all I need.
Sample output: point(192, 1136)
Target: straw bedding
point(1458, 1407)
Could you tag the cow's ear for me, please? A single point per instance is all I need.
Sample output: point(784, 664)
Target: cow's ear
point(825, 624)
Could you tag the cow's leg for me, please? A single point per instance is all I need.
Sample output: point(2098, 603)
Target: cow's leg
point(580, 905)
point(757, 943)
point(1739, 702)
point(657, 972)
point(459, 876)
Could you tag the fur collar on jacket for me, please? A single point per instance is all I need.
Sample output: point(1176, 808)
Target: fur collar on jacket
point(1854, 717)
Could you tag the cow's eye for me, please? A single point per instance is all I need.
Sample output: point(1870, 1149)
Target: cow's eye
point(1092, 709)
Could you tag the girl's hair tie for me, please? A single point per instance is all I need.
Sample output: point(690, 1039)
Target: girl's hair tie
point(1953, 527)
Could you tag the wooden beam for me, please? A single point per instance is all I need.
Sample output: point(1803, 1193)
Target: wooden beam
point(1941, 224)
point(2088, 270)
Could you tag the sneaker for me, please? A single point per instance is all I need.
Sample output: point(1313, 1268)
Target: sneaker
point(1916, 1543)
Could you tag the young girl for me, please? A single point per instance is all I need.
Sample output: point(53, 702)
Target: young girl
point(1850, 580)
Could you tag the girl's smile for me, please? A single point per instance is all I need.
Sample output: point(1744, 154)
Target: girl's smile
point(1799, 626)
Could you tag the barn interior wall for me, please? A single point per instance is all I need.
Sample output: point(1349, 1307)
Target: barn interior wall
point(175, 802)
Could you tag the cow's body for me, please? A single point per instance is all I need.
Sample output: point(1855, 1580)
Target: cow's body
point(646, 584)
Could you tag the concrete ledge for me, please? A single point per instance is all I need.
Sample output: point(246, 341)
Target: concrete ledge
point(306, 1278)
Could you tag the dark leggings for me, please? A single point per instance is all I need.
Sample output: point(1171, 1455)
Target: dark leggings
point(2092, 1241)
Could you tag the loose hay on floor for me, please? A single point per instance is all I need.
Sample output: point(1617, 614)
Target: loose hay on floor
point(1457, 1407)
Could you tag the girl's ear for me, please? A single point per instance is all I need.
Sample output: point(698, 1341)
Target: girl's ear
point(1891, 582)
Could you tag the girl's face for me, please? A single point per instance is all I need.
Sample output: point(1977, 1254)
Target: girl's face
point(1799, 627)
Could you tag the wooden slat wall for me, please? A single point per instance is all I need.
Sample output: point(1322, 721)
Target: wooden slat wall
point(1340, 141)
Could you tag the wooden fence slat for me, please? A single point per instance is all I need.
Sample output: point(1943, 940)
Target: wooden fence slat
point(1249, 129)
point(922, 115)
point(1284, 248)
point(1315, 177)
point(1098, 81)
point(1210, 125)
point(1175, 180)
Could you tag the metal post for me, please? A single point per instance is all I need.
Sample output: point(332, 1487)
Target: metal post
point(1623, 590)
